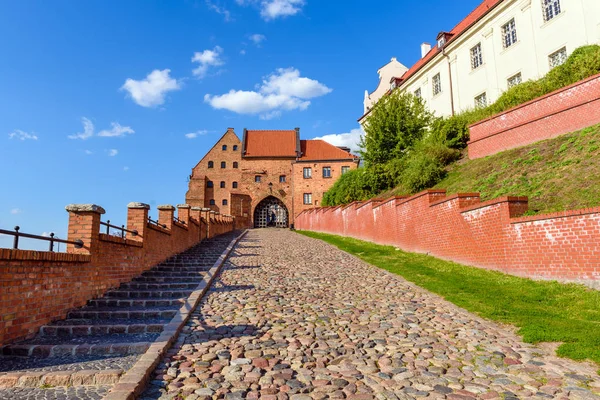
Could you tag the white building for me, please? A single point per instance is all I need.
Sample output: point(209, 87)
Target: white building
point(501, 43)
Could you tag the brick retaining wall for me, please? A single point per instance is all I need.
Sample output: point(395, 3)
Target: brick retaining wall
point(565, 110)
point(39, 287)
point(492, 234)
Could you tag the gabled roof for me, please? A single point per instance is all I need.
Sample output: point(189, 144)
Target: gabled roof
point(320, 150)
point(475, 15)
point(271, 143)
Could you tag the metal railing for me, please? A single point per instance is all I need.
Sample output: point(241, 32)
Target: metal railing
point(118, 228)
point(178, 220)
point(153, 222)
point(77, 243)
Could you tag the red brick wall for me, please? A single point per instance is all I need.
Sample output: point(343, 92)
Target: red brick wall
point(563, 246)
point(39, 287)
point(566, 110)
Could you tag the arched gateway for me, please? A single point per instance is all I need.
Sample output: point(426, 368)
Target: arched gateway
point(271, 212)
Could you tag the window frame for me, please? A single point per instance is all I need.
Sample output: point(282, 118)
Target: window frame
point(235, 165)
point(556, 53)
point(212, 202)
point(509, 33)
point(510, 82)
point(328, 176)
point(282, 179)
point(479, 103)
point(211, 164)
point(306, 196)
point(235, 147)
point(551, 9)
point(436, 84)
point(476, 56)
point(345, 169)
point(223, 185)
point(305, 175)
point(234, 185)
point(210, 184)
point(224, 202)
point(224, 147)
point(418, 93)
point(223, 164)
point(257, 179)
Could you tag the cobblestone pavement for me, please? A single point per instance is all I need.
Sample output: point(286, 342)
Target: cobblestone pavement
point(59, 393)
point(293, 317)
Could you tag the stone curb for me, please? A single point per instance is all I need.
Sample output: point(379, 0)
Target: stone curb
point(60, 378)
point(134, 382)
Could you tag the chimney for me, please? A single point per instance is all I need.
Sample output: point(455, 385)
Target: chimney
point(425, 48)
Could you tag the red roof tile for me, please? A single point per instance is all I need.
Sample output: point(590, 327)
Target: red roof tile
point(270, 143)
point(316, 150)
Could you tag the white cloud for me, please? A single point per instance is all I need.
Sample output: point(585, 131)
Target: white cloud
point(88, 152)
point(22, 135)
point(219, 10)
point(257, 38)
point(151, 92)
point(125, 168)
point(207, 59)
point(243, 52)
point(273, 9)
point(350, 139)
point(116, 130)
point(45, 234)
point(194, 135)
point(283, 90)
point(113, 152)
point(16, 211)
point(88, 130)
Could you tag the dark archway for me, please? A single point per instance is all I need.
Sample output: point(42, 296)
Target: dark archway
point(271, 212)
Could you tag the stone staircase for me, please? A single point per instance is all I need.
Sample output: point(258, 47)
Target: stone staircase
point(110, 333)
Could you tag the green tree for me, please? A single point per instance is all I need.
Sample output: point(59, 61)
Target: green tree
point(395, 124)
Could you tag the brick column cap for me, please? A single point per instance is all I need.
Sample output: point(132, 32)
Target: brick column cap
point(213, 212)
point(166, 207)
point(75, 208)
point(183, 206)
point(134, 204)
point(205, 209)
point(197, 209)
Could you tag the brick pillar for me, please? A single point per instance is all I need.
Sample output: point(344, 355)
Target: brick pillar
point(137, 220)
point(206, 218)
point(212, 217)
point(165, 215)
point(84, 225)
point(183, 213)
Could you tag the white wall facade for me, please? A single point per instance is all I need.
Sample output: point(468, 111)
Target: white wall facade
point(577, 24)
point(386, 73)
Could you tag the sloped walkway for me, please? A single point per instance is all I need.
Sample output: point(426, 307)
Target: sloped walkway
point(82, 356)
point(293, 317)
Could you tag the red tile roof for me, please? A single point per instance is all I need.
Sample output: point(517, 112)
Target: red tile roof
point(459, 29)
point(316, 150)
point(270, 143)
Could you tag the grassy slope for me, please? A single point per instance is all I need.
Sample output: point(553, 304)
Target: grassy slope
point(543, 311)
point(556, 174)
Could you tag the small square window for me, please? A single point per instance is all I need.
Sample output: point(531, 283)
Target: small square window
point(551, 9)
point(558, 58)
point(514, 80)
point(509, 33)
point(224, 202)
point(326, 172)
point(281, 178)
point(257, 178)
point(307, 198)
point(436, 83)
point(476, 57)
point(346, 169)
point(212, 202)
point(307, 173)
point(234, 185)
point(223, 164)
point(481, 100)
point(235, 147)
point(224, 147)
point(211, 164)
point(418, 93)
point(209, 184)
point(235, 164)
point(222, 184)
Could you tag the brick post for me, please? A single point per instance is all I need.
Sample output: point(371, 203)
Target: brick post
point(183, 213)
point(212, 217)
point(206, 217)
point(137, 219)
point(165, 215)
point(84, 225)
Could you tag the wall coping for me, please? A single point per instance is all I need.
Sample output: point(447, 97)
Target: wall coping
point(499, 200)
point(166, 207)
point(35, 255)
point(350, 204)
point(159, 229)
point(555, 215)
point(77, 208)
point(537, 99)
point(454, 197)
point(180, 225)
point(370, 201)
point(135, 204)
point(421, 194)
point(393, 198)
point(184, 206)
point(118, 240)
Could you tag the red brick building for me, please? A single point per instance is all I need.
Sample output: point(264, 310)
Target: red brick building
point(268, 177)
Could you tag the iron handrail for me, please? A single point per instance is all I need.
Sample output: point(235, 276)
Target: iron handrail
point(77, 243)
point(121, 228)
point(151, 221)
point(178, 220)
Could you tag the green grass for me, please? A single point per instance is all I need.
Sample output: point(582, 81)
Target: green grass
point(543, 311)
point(556, 174)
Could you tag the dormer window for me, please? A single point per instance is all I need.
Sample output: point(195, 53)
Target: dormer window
point(441, 42)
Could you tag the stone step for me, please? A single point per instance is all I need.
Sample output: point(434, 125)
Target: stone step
point(144, 294)
point(123, 313)
point(167, 269)
point(145, 302)
point(96, 330)
point(159, 274)
point(74, 349)
point(157, 286)
point(169, 279)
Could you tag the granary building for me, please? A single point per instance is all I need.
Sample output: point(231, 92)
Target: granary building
point(268, 177)
point(499, 44)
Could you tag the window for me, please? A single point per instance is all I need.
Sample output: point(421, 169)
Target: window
point(551, 9)
point(509, 33)
point(441, 42)
point(481, 100)
point(345, 169)
point(476, 57)
point(281, 178)
point(326, 172)
point(558, 58)
point(223, 164)
point(212, 202)
point(222, 184)
point(224, 202)
point(514, 80)
point(234, 185)
point(211, 164)
point(235, 164)
point(257, 179)
point(235, 147)
point(224, 147)
point(436, 83)
point(209, 184)
point(418, 93)
point(307, 173)
point(307, 198)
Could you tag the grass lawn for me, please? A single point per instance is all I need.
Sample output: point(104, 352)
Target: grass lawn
point(543, 311)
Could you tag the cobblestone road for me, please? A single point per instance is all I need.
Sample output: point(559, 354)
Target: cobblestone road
point(292, 317)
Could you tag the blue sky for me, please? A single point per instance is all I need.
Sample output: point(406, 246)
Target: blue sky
point(108, 102)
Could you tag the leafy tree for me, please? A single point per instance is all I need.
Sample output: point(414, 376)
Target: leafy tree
point(395, 124)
